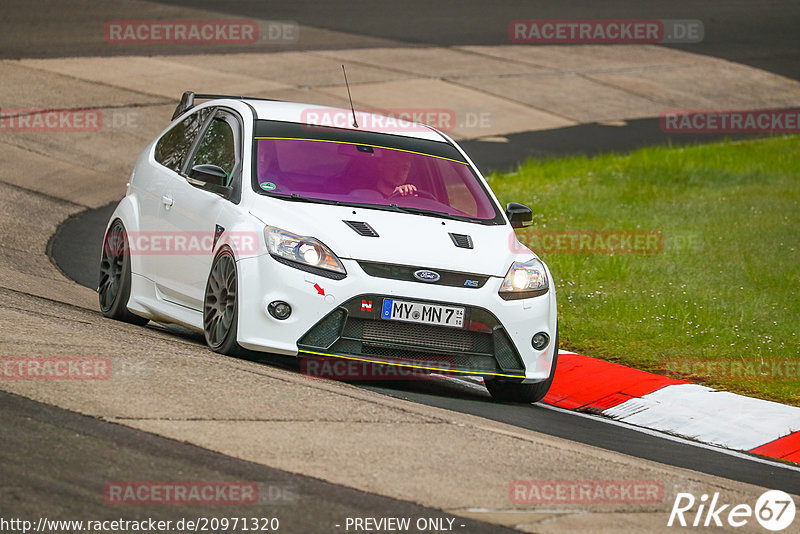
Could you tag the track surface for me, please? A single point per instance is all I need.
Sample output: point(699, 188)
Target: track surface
point(77, 244)
point(57, 476)
point(768, 40)
point(762, 35)
point(67, 477)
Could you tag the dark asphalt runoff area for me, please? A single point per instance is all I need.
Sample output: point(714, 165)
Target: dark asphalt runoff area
point(763, 35)
point(64, 476)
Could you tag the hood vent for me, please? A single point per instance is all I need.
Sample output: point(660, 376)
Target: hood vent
point(362, 228)
point(461, 240)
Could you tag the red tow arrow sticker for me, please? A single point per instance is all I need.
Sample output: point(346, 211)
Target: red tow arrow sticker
point(319, 289)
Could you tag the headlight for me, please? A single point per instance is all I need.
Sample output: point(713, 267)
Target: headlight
point(302, 250)
point(524, 279)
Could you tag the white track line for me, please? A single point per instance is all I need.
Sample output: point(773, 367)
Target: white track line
point(678, 439)
point(710, 416)
point(650, 432)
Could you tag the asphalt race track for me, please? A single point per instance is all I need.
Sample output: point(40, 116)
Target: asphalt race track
point(66, 477)
point(769, 41)
point(77, 244)
point(763, 35)
point(56, 461)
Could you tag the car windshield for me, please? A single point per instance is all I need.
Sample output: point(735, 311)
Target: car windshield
point(368, 174)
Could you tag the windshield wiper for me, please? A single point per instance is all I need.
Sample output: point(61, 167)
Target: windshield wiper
point(300, 198)
point(385, 207)
point(431, 213)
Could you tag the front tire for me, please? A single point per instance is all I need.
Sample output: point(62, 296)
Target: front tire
point(114, 288)
point(523, 393)
point(220, 306)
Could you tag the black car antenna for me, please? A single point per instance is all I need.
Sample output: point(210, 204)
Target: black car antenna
point(355, 123)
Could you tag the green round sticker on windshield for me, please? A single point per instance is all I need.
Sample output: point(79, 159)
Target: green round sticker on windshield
point(268, 186)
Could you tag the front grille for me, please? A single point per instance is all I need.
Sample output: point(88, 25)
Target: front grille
point(406, 273)
point(420, 335)
point(355, 329)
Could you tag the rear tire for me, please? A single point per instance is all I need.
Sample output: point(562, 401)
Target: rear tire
point(220, 306)
point(523, 393)
point(114, 288)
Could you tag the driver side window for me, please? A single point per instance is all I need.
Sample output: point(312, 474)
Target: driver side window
point(217, 147)
point(172, 149)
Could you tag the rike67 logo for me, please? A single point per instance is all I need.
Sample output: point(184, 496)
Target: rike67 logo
point(774, 510)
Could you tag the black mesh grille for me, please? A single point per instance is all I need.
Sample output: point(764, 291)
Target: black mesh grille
point(355, 328)
point(461, 240)
point(326, 332)
point(362, 228)
point(420, 335)
point(504, 351)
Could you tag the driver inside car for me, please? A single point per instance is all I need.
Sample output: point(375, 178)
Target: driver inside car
point(394, 169)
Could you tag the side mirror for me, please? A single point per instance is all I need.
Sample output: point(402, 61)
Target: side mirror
point(212, 178)
point(519, 214)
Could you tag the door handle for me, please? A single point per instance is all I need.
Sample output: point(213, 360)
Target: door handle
point(167, 201)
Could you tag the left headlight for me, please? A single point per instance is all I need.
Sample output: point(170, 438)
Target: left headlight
point(524, 279)
point(302, 250)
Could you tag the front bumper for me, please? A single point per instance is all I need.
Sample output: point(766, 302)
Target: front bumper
point(356, 329)
point(328, 319)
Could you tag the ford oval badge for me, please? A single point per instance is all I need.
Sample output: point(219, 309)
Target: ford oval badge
point(426, 275)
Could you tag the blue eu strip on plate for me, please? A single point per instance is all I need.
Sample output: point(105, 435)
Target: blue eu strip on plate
point(386, 311)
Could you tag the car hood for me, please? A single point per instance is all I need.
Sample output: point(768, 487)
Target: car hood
point(406, 239)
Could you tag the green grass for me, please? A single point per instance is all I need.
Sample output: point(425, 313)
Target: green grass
point(725, 285)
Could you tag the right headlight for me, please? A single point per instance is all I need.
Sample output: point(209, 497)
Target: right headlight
point(525, 279)
point(301, 250)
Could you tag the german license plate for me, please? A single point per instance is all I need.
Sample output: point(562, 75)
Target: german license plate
point(417, 312)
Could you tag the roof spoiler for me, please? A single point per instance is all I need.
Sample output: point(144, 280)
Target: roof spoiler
point(186, 103)
point(188, 98)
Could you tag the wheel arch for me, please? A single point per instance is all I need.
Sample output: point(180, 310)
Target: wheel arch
point(128, 213)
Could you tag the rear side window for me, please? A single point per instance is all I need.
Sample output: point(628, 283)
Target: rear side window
point(172, 148)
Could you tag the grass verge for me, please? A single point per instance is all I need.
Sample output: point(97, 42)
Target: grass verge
point(716, 300)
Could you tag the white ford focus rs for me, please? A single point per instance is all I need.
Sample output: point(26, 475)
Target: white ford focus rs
point(266, 232)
